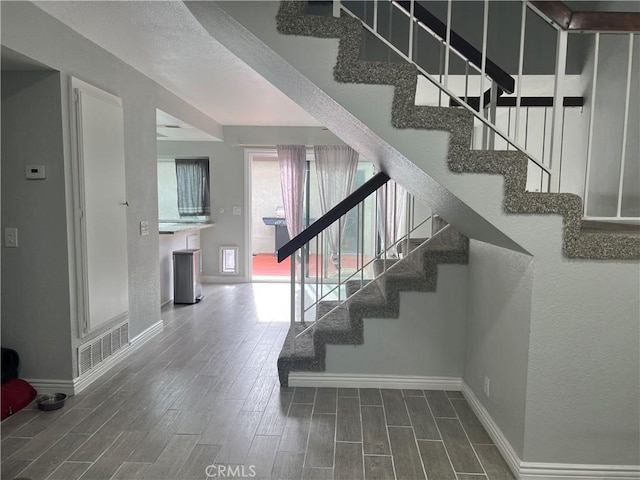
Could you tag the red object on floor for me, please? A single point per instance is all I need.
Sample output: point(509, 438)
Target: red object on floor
point(16, 394)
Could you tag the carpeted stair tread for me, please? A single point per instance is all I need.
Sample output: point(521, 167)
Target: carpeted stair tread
point(293, 20)
point(336, 327)
point(370, 299)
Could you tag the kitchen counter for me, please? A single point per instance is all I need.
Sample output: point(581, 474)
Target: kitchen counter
point(169, 228)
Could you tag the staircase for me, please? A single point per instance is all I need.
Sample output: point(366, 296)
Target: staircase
point(293, 20)
point(416, 272)
point(561, 319)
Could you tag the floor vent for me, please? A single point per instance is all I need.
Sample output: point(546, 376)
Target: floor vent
point(97, 350)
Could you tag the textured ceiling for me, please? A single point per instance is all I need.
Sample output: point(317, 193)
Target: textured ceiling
point(162, 40)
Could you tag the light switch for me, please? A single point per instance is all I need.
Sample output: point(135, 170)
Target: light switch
point(11, 237)
point(144, 227)
point(34, 172)
point(237, 210)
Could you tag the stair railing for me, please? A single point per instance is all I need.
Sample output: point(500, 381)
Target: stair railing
point(382, 223)
point(482, 105)
point(545, 154)
point(610, 26)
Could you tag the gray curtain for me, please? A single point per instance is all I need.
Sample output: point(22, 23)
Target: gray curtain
point(336, 167)
point(292, 160)
point(192, 175)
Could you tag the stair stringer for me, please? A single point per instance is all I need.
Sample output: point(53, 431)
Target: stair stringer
point(417, 272)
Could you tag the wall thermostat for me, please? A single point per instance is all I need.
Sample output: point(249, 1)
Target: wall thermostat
point(34, 172)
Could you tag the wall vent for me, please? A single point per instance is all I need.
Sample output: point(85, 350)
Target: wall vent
point(97, 350)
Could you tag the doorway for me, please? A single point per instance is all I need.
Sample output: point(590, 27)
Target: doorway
point(266, 226)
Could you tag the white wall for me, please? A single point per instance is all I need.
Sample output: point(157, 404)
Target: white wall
point(428, 338)
point(29, 31)
point(35, 276)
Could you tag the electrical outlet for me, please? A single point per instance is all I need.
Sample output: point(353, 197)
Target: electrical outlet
point(11, 237)
point(487, 386)
point(144, 227)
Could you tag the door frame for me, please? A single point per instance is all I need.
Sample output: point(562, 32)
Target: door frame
point(249, 154)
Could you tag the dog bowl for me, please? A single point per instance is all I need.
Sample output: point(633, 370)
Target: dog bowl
point(52, 401)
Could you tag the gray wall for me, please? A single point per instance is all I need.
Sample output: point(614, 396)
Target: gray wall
point(427, 339)
point(35, 276)
point(29, 31)
point(227, 167)
point(500, 283)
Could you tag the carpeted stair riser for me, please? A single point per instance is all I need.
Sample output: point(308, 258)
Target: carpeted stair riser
point(379, 299)
point(293, 20)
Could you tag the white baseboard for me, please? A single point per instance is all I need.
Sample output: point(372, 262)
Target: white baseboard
point(82, 382)
point(508, 453)
point(346, 380)
point(564, 471)
point(539, 470)
point(52, 386)
point(145, 336)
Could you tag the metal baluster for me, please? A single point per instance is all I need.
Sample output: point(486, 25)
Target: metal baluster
point(375, 16)
point(558, 96)
point(339, 256)
point(483, 68)
point(492, 114)
point(362, 249)
point(523, 24)
point(302, 292)
point(324, 264)
point(358, 233)
point(592, 100)
point(448, 41)
point(408, 221)
point(386, 241)
point(625, 126)
point(293, 299)
point(483, 63)
point(317, 271)
point(508, 127)
point(411, 21)
point(336, 8)
point(466, 82)
point(394, 225)
point(440, 69)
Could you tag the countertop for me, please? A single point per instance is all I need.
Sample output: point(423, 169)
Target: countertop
point(169, 228)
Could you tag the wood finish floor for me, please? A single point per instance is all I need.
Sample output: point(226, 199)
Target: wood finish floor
point(204, 393)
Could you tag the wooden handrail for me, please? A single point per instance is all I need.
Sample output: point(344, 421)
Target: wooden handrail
point(568, 19)
point(505, 81)
point(332, 215)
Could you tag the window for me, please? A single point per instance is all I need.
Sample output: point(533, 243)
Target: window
point(183, 189)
